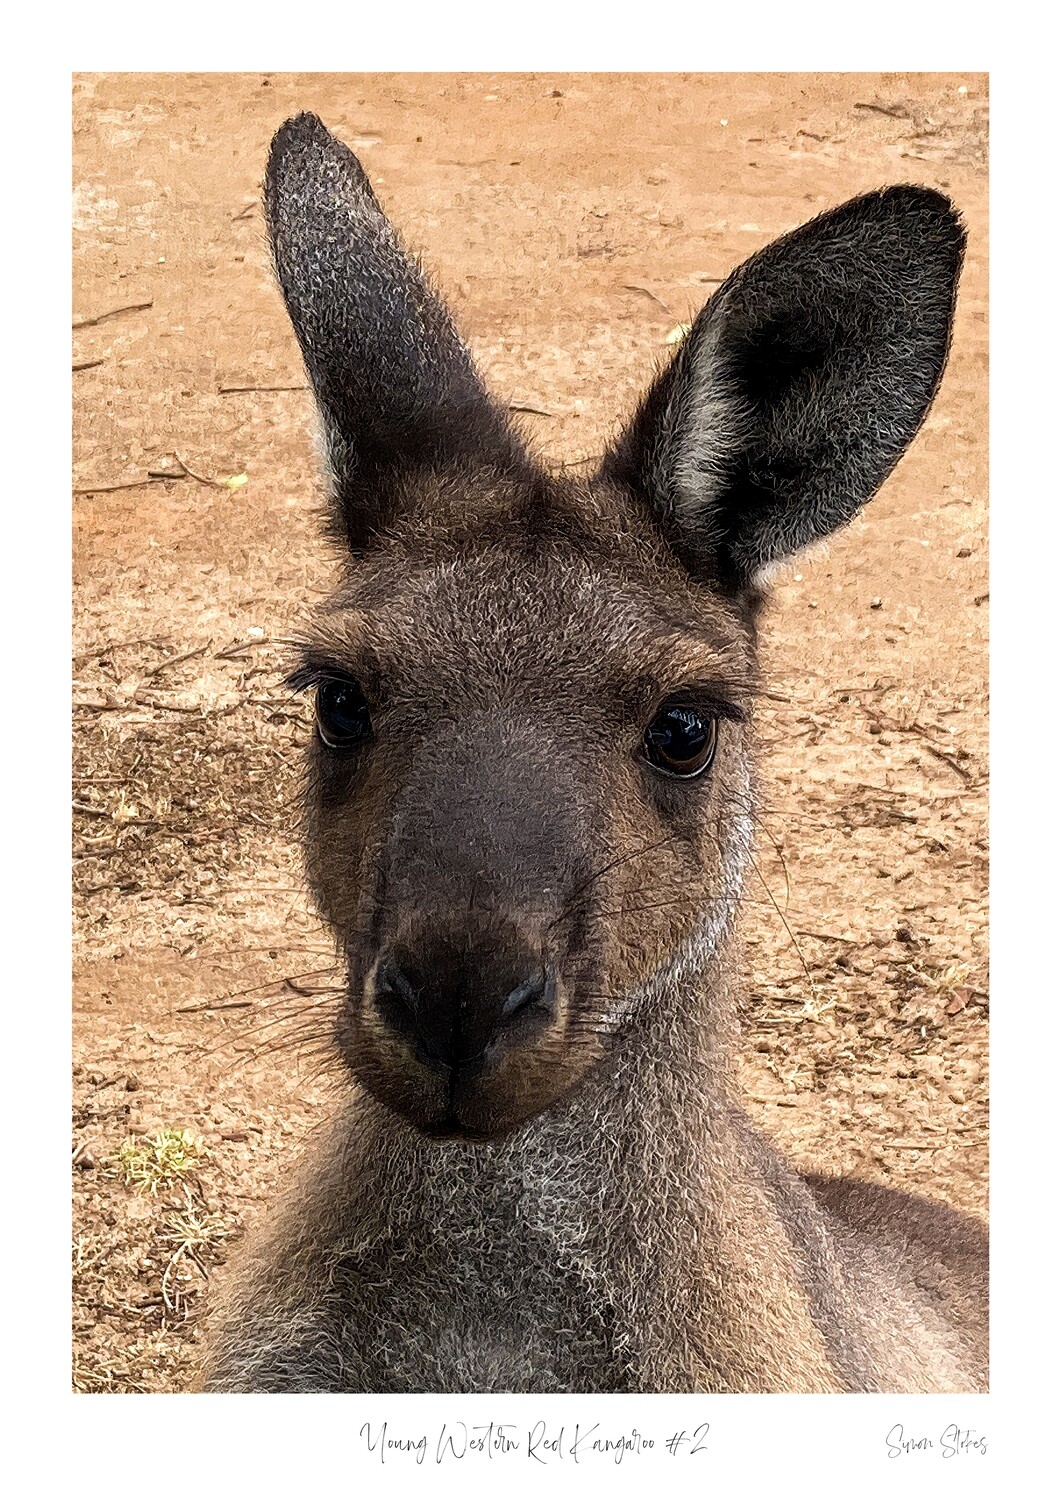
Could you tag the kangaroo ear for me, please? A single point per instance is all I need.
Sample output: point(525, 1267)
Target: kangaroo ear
point(799, 385)
point(394, 383)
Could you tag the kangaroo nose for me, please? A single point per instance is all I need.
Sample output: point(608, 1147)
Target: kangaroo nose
point(453, 1008)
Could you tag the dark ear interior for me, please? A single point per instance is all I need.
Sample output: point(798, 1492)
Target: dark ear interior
point(799, 384)
point(394, 383)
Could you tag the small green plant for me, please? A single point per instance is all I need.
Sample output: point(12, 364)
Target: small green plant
point(148, 1162)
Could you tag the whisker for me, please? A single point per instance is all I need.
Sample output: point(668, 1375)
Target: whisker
point(788, 929)
point(275, 1015)
point(613, 864)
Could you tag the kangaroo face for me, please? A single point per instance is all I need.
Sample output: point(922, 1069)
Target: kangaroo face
point(529, 788)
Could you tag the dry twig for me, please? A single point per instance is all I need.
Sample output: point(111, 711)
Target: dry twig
point(126, 484)
point(634, 286)
point(202, 478)
point(232, 390)
point(114, 312)
point(893, 111)
point(538, 411)
point(171, 661)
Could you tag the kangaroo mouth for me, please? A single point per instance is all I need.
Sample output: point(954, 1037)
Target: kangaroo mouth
point(474, 1100)
point(452, 1129)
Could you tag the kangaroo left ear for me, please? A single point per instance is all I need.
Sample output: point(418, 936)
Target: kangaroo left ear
point(799, 385)
point(395, 385)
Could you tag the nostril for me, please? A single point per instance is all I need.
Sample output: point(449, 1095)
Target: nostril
point(454, 1019)
point(397, 989)
point(533, 991)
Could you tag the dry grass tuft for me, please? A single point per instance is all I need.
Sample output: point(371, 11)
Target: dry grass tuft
point(944, 979)
point(192, 1232)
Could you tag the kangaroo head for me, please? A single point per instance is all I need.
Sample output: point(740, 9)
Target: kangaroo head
point(529, 792)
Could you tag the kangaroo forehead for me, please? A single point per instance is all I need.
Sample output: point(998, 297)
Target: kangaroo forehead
point(523, 607)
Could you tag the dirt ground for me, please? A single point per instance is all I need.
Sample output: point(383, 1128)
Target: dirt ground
point(572, 221)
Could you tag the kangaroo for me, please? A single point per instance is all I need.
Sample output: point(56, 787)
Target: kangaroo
point(528, 815)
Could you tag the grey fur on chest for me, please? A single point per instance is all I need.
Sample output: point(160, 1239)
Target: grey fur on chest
point(491, 1270)
point(503, 1322)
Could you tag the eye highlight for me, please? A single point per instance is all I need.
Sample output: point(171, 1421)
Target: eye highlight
point(342, 714)
point(681, 740)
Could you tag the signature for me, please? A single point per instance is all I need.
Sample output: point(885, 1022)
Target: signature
point(952, 1442)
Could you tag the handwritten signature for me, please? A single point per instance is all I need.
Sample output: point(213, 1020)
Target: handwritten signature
point(953, 1442)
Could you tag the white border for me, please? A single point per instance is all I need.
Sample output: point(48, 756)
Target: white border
point(794, 1445)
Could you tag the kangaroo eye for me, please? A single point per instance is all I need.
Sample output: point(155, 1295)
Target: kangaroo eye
point(342, 714)
point(681, 740)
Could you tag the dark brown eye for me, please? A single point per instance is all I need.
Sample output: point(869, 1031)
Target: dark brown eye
point(342, 714)
point(681, 740)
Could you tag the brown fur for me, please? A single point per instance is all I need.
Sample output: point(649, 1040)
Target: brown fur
point(543, 1179)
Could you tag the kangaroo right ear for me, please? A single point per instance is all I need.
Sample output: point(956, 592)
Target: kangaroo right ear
point(394, 383)
point(798, 386)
